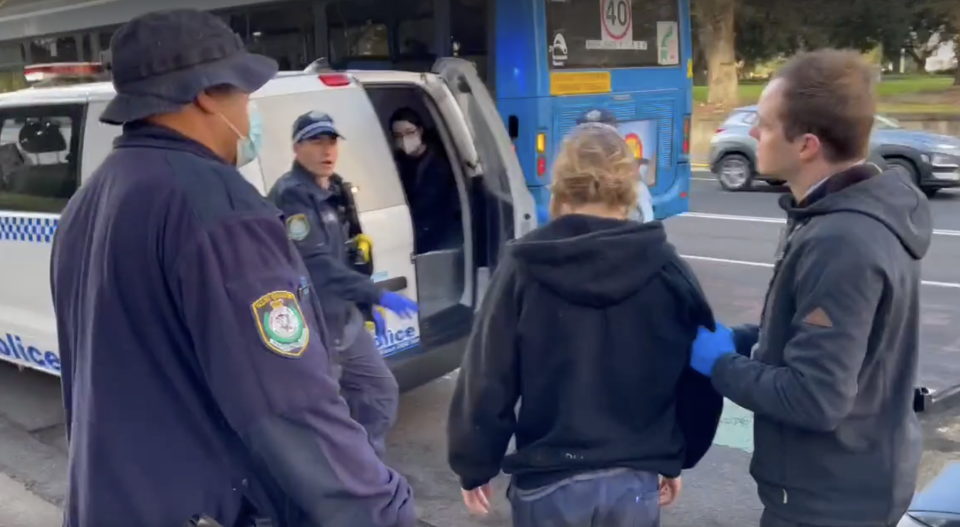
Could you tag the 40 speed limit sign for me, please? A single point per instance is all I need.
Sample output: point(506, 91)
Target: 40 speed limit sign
point(616, 27)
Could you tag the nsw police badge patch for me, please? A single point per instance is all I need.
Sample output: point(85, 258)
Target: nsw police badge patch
point(280, 323)
point(298, 227)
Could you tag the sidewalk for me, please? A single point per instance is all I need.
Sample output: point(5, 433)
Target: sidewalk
point(21, 508)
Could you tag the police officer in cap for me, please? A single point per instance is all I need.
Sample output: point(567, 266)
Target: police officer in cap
point(314, 199)
point(196, 376)
point(644, 210)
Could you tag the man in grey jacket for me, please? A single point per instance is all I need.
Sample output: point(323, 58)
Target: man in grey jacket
point(830, 373)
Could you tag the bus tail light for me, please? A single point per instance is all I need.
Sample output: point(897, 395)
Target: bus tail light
point(541, 143)
point(334, 80)
point(686, 135)
point(541, 166)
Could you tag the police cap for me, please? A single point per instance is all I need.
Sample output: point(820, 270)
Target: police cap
point(312, 125)
point(598, 116)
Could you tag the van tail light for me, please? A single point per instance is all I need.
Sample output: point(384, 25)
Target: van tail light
point(541, 166)
point(686, 135)
point(720, 130)
point(334, 80)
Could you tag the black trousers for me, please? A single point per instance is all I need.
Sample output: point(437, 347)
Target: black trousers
point(769, 520)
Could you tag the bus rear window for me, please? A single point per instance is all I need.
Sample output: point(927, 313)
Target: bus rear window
point(613, 33)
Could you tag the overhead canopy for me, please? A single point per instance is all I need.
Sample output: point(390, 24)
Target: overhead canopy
point(23, 19)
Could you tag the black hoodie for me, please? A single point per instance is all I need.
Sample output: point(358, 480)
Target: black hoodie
point(589, 321)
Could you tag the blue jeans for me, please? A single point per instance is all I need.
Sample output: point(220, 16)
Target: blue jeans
point(608, 498)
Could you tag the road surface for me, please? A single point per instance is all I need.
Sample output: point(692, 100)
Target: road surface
point(730, 240)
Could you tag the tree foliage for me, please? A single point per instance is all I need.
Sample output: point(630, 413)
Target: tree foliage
point(766, 30)
point(763, 29)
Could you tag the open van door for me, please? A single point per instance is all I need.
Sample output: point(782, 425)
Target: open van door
point(501, 199)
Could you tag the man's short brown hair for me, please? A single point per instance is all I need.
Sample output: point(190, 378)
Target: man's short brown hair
point(829, 93)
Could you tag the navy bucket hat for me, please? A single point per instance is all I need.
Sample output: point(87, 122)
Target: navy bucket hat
point(161, 61)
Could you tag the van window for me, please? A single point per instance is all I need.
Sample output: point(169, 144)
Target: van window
point(39, 156)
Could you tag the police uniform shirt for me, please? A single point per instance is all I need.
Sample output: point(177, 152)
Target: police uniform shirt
point(195, 373)
point(314, 218)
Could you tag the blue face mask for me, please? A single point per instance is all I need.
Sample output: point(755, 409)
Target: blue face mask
point(248, 147)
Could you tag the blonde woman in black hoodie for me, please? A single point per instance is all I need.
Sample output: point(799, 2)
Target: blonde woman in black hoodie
point(588, 323)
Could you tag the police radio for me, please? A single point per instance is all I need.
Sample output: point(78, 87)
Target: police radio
point(359, 245)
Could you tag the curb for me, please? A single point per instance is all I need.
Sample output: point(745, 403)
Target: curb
point(703, 166)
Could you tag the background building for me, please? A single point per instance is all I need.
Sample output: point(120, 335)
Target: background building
point(407, 34)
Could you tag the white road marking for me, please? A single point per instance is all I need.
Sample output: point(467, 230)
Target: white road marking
point(950, 285)
point(781, 221)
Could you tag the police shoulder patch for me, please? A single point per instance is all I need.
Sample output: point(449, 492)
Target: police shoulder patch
point(281, 324)
point(298, 227)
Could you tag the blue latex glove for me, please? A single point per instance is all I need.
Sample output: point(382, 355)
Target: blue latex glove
point(399, 304)
point(379, 325)
point(709, 347)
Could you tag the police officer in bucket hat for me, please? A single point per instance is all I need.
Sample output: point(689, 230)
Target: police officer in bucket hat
point(196, 374)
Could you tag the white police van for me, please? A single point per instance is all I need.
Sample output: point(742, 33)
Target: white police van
point(51, 141)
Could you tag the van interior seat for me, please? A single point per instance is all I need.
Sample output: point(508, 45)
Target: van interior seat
point(53, 180)
point(11, 160)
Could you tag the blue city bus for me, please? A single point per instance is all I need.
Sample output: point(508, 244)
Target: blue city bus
point(548, 63)
point(558, 60)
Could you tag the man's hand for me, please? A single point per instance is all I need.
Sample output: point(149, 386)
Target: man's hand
point(478, 499)
point(669, 490)
point(399, 304)
point(709, 347)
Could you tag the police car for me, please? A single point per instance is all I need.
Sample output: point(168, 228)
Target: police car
point(51, 141)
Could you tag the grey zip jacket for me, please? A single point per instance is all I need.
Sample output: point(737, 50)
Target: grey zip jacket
point(831, 380)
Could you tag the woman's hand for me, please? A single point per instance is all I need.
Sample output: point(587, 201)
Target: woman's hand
point(669, 490)
point(478, 499)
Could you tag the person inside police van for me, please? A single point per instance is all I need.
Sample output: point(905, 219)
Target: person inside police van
point(591, 317)
point(428, 182)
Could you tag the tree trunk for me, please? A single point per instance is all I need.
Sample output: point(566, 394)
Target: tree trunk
point(956, 54)
point(715, 20)
point(956, 45)
point(920, 61)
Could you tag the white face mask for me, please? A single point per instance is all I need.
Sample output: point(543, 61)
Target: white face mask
point(410, 144)
point(410, 139)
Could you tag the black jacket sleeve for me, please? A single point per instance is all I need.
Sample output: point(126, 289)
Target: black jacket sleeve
point(699, 405)
point(816, 386)
point(482, 412)
point(327, 272)
point(745, 337)
point(261, 353)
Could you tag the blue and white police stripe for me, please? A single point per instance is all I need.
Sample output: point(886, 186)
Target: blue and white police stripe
point(29, 229)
